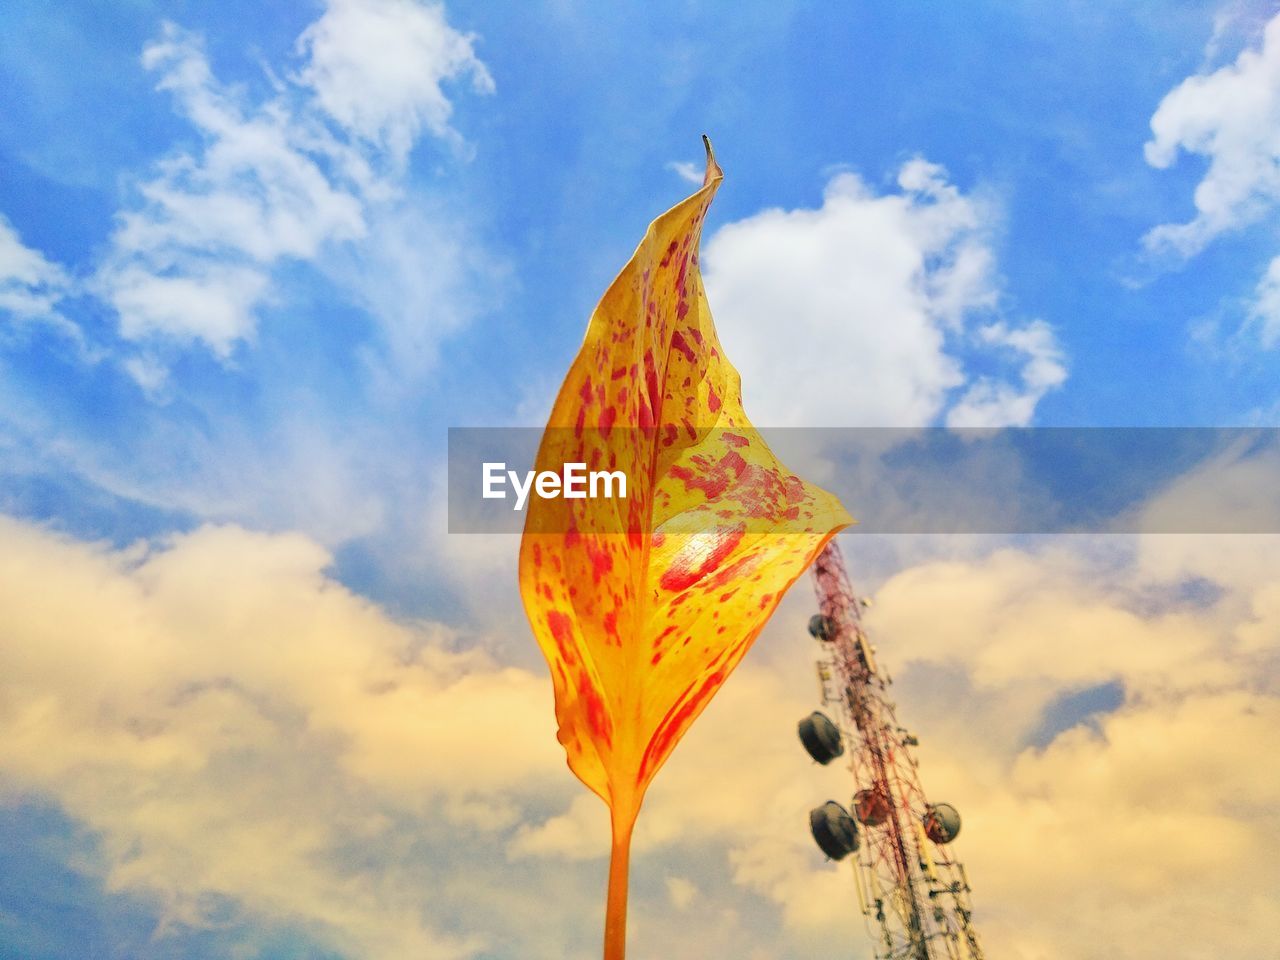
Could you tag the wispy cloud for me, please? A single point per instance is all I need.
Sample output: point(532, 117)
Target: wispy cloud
point(32, 287)
point(1231, 116)
point(272, 207)
point(686, 171)
point(280, 180)
point(1041, 367)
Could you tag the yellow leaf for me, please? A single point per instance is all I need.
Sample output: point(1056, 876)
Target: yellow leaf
point(644, 605)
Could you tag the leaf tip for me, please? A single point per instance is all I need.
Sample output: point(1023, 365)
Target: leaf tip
point(713, 169)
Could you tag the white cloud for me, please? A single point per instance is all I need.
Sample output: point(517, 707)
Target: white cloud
point(1232, 117)
point(1102, 821)
point(416, 274)
point(377, 67)
point(1232, 489)
point(229, 721)
point(878, 299)
point(234, 727)
point(207, 301)
point(580, 833)
point(1265, 309)
point(317, 167)
point(192, 261)
point(686, 171)
point(682, 891)
point(31, 287)
point(997, 403)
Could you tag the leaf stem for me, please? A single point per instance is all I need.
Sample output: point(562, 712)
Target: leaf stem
point(615, 918)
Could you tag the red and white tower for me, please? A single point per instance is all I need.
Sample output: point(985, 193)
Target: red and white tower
point(913, 892)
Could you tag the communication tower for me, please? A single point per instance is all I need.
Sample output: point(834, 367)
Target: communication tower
point(912, 890)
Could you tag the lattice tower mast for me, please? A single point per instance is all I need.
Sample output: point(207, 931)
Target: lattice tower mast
point(912, 890)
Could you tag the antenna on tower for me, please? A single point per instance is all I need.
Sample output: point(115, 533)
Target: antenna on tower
point(913, 892)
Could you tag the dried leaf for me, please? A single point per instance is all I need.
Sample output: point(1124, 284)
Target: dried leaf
point(644, 606)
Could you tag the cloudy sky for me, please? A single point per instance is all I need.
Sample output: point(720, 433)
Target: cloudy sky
point(256, 703)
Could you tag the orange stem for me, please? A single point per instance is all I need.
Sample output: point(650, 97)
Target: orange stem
point(615, 918)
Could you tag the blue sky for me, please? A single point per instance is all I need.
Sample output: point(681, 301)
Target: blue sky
point(465, 297)
point(254, 260)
